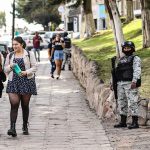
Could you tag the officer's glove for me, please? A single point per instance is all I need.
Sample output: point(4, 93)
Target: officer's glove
point(133, 85)
point(111, 87)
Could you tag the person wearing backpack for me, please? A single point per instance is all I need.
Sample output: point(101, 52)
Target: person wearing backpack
point(128, 76)
point(20, 86)
point(2, 75)
point(67, 52)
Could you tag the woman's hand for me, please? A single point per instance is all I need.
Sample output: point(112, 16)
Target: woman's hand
point(12, 66)
point(49, 57)
point(23, 73)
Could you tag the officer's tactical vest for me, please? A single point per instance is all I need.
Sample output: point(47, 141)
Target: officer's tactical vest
point(67, 42)
point(124, 69)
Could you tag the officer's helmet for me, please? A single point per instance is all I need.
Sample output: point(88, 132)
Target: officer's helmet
point(65, 34)
point(128, 44)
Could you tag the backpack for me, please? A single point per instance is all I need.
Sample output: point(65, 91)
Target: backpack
point(12, 53)
point(67, 42)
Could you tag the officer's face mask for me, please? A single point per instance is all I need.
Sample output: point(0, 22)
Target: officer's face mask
point(127, 51)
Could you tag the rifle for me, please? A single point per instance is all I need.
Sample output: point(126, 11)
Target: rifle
point(114, 79)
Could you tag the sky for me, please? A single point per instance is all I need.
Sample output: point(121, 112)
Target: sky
point(5, 5)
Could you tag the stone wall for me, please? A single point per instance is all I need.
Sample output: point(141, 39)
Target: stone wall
point(98, 94)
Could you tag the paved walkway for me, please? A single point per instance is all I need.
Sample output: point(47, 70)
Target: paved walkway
point(60, 118)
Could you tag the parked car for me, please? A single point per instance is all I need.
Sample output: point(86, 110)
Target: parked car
point(49, 34)
point(76, 35)
point(7, 40)
point(29, 42)
point(43, 44)
point(4, 51)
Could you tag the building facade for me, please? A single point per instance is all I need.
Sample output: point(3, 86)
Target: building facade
point(72, 16)
point(101, 14)
point(122, 7)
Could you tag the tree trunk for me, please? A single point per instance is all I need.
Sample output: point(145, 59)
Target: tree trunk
point(122, 8)
point(130, 14)
point(116, 25)
point(146, 22)
point(83, 26)
point(89, 21)
point(90, 26)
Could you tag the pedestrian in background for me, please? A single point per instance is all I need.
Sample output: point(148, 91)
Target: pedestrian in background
point(67, 52)
point(1, 81)
point(51, 58)
point(128, 75)
point(2, 75)
point(20, 86)
point(36, 45)
point(57, 50)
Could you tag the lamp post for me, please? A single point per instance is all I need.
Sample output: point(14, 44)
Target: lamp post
point(13, 19)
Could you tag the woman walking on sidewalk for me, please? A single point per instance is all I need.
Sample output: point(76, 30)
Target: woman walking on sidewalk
point(20, 85)
point(57, 50)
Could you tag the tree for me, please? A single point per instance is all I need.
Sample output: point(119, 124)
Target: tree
point(2, 19)
point(88, 17)
point(111, 7)
point(146, 22)
point(130, 14)
point(33, 11)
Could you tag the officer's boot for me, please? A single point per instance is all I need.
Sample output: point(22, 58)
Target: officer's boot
point(63, 67)
point(134, 124)
point(69, 67)
point(25, 128)
point(12, 130)
point(122, 123)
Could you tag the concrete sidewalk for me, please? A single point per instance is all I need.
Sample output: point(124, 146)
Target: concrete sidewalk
point(60, 118)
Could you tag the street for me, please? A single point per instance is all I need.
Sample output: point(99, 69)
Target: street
point(60, 118)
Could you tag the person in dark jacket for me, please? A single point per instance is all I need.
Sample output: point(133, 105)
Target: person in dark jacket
point(51, 58)
point(2, 76)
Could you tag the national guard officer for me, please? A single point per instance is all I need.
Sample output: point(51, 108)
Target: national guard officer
point(67, 52)
point(128, 75)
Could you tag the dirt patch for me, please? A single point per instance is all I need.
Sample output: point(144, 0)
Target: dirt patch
point(125, 139)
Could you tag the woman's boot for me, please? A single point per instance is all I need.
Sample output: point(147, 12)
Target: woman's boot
point(25, 128)
point(12, 130)
point(122, 123)
point(134, 124)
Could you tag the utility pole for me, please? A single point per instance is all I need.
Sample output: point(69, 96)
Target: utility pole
point(13, 19)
